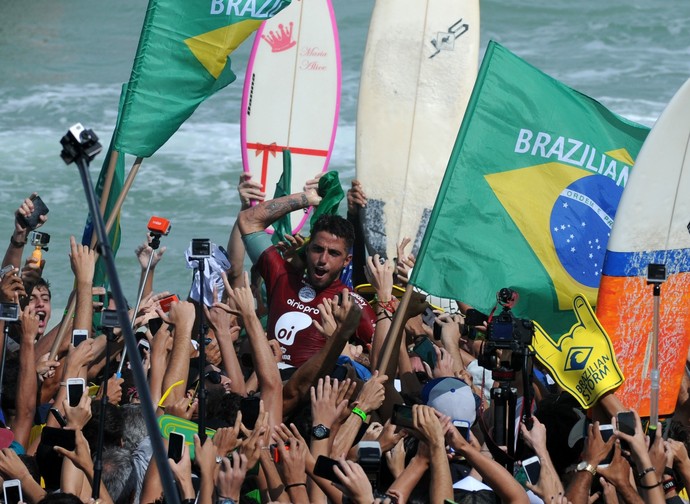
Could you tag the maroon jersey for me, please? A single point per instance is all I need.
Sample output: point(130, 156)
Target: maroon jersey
point(293, 306)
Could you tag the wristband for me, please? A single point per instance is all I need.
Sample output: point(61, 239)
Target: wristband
point(669, 485)
point(649, 487)
point(361, 414)
point(219, 500)
point(15, 243)
point(293, 485)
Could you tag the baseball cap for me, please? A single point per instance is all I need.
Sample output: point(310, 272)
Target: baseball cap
point(452, 397)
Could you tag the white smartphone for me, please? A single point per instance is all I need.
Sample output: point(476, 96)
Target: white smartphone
point(79, 336)
point(606, 431)
point(12, 490)
point(75, 389)
point(532, 468)
point(463, 427)
point(175, 446)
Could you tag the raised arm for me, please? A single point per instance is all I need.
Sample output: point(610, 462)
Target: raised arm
point(259, 217)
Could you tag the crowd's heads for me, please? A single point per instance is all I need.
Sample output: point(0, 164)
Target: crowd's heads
point(452, 397)
point(119, 477)
point(328, 251)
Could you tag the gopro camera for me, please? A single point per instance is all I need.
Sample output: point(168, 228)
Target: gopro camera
point(9, 312)
point(201, 248)
point(656, 273)
point(369, 457)
point(39, 239)
point(159, 225)
point(79, 142)
point(110, 319)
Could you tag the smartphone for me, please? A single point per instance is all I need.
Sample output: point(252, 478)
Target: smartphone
point(33, 219)
point(606, 431)
point(626, 422)
point(323, 468)
point(475, 318)
point(58, 416)
point(53, 436)
point(167, 301)
point(155, 325)
point(75, 389)
point(402, 416)
point(532, 468)
point(425, 349)
point(143, 346)
point(463, 427)
point(249, 406)
point(79, 336)
point(429, 317)
point(12, 490)
point(175, 445)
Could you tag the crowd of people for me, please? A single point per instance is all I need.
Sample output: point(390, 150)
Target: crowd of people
point(312, 391)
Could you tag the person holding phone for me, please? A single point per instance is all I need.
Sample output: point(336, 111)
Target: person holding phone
point(27, 214)
point(549, 485)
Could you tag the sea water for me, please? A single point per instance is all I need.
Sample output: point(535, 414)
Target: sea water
point(63, 61)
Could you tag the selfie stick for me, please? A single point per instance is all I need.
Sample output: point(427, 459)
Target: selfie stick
point(75, 150)
point(98, 457)
point(654, 373)
point(201, 410)
point(5, 336)
point(155, 243)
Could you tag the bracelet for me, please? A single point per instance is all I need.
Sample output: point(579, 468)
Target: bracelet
point(188, 501)
point(293, 485)
point(17, 244)
point(649, 487)
point(642, 473)
point(219, 500)
point(388, 306)
point(360, 413)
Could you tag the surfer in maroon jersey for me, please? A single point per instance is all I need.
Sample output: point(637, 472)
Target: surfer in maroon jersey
point(294, 294)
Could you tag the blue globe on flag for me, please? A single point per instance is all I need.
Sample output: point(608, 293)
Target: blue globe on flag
point(581, 221)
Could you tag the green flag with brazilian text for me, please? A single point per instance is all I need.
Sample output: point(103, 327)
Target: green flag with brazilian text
point(529, 194)
point(182, 59)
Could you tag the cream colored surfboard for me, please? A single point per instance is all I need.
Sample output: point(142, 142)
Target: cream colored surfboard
point(419, 68)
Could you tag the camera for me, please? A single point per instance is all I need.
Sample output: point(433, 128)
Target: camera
point(110, 319)
point(159, 225)
point(9, 312)
point(201, 248)
point(369, 457)
point(505, 331)
point(79, 142)
point(656, 273)
point(39, 239)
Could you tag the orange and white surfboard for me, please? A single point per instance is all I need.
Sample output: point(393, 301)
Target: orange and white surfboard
point(651, 226)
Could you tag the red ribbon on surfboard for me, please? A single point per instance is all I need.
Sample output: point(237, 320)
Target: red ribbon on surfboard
point(272, 149)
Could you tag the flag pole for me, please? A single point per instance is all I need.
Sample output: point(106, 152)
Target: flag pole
point(392, 342)
point(71, 307)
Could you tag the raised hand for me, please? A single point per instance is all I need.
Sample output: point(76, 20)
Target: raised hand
point(144, 251)
point(356, 198)
point(324, 408)
point(83, 261)
point(249, 191)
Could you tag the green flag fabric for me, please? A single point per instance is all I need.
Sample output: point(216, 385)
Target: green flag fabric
point(282, 226)
point(182, 59)
point(331, 193)
point(529, 194)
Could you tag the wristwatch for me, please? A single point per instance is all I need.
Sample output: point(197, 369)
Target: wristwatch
point(320, 431)
point(586, 466)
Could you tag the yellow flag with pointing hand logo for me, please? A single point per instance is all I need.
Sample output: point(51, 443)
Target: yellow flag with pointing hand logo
point(583, 361)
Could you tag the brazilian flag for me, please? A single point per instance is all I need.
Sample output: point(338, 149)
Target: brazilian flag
point(529, 195)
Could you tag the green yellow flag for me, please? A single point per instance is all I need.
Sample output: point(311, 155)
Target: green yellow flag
point(182, 59)
point(529, 194)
